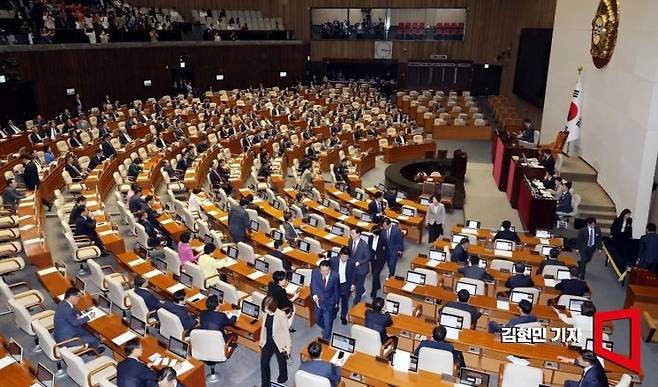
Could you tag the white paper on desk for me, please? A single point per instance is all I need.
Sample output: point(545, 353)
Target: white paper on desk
point(306, 200)
point(403, 217)
point(502, 305)
point(320, 207)
point(167, 221)
point(106, 232)
point(164, 361)
point(151, 273)
point(432, 263)
point(94, 313)
point(26, 227)
point(517, 360)
point(136, 262)
point(184, 367)
point(172, 362)
point(124, 337)
point(339, 362)
point(47, 271)
point(92, 203)
point(343, 217)
point(353, 200)
point(452, 333)
point(362, 224)
point(224, 219)
point(157, 361)
point(287, 250)
point(467, 230)
point(544, 241)
point(196, 297)
point(174, 288)
point(5, 361)
point(154, 357)
point(401, 360)
point(255, 275)
point(31, 241)
point(550, 282)
point(26, 204)
point(409, 287)
point(25, 217)
point(228, 262)
point(330, 236)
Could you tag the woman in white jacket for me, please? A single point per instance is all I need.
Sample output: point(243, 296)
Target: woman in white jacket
point(274, 341)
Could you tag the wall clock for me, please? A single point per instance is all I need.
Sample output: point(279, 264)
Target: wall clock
point(604, 32)
point(383, 49)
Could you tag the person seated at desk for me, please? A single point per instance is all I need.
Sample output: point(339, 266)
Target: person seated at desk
point(318, 367)
point(278, 253)
point(177, 307)
point(289, 232)
point(547, 161)
point(551, 260)
point(108, 148)
point(564, 199)
point(48, 155)
point(377, 319)
point(583, 321)
point(140, 287)
point(474, 271)
point(463, 296)
point(155, 238)
point(648, 249)
point(72, 167)
point(549, 180)
point(202, 146)
point(593, 372)
point(85, 225)
point(184, 249)
point(573, 286)
point(11, 196)
point(459, 253)
point(277, 289)
point(134, 169)
point(36, 137)
point(208, 264)
point(214, 319)
point(132, 372)
point(525, 307)
point(160, 142)
point(68, 323)
point(506, 233)
point(78, 207)
point(400, 139)
point(528, 133)
point(135, 203)
point(391, 197)
point(519, 280)
point(96, 159)
point(376, 207)
point(438, 342)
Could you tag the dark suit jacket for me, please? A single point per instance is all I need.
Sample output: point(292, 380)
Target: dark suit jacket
point(361, 255)
point(31, 176)
point(564, 203)
point(279, 295)
point(94, 161)
point(108, 149)
point(572, 287)
point(475, 272)
point(395, 242)
point(238, 221)
point(73, 171)
point(549, 183)
point(373, 207)
point(648, 252)
point(216, 321)
point(589, 379)
point(151, 301)
point(85, 226)
point(67, 323)
point(181, 311)
point(520, 320)
point(583, 238)
point(149, 229)
point(136, 203)
point(457, 356)
point(134, 373)
point(519, 281)
point(322, 368)
point(391, 198)
point(380, 254)
point(474, 312)
point(548, 163)
point(378, 322)
point(459, 254)
point(10, 197)
point(528, 134)
point(508, 235)
point(350, 272)
point(75, 213)
point(328, 295)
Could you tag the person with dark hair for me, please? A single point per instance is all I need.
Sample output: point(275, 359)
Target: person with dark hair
point(325, 291)
point(238, 221)
point(435, 217)
point(278, 253)
point(68, 322)
point(573, 286)
point(344, 266)
point(108, 148)
point(177, 307)
point(274, 341)
point(30, 172)
point(78, 207)
point(86, 225)
point(134, 168)
point(474, 271)
point(376, 207)
point(131, 371)
point(11, 196)
point(551, 260)
point(395, 242)
point(360, 255)
point(213, 318)
point(564, 199)
point(141, 289)
point(184, 249)
point(167, 378)
point(277, 289)
point(135, 203)
point(547, 161)
point(520, 279)
point(289, 232)
point(648, 249)
point(379, 253)
point(462, 304)
point(526, 308)
point(583, 321)
point(549, 180)
point(506, 232)
point(593, 372)
point(587, 242)
point(528, 132)
point(438, 342)
point(378, 319)
point(460, 253)
point(209, 265)
point(318, 367)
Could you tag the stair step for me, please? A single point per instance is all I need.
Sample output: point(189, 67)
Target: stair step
point(599, 215)
point(596, 207)
point(579, 177)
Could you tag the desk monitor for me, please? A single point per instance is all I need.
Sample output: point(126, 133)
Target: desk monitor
point(341, 186)
point(313, 221)
point(381, 187)
point(415, 277)
point(276, 204)
point(470, 288)
point(546, 250)
point(262, 266)
point(503, 245)
point(343, 343)
point(451, 320)
point(562, 274)
point(304, 246)
point(438, 255)
point(232, 252)
point(517, 295)
point(336, 230)
point(473, 378)
point(326, 203)
point(254, 225)
point(178, 347)
point(607, 344)
point(408, 211)
point(456, 238)
point(160, 264)
point(104, 304)
point(262, 195)
point(277, 235)
point(482, 263)
point(208, 239)
point(15, 350)
point(344, 210)
point(367, 237)
point(392, 307)
point(401, 195)
point(425, 201)
point(575, 305)
point(79, 284)
point(214, 290)
point(544, 234)
point(138, 326)
point(358, 196)
point(474, 224)
point(332, 253)
point(250, 309)
point(413, 361)
point(511, 228)
point(186, 279)
point(526, 271)
point(45, 377)
point(365, 217)
point(296, 278)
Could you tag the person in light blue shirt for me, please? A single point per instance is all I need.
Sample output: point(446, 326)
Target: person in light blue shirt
point(48, 155)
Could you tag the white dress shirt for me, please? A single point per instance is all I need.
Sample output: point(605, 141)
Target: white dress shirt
point(342, 267)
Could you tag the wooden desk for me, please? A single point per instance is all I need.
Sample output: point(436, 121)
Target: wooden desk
point(32, 230)
point(364, 163)
point(517, 170)
point(527, 240)
point(395, 154)
point(536, 212)
point(403, 202)
point(502, 154)
point(16, 375)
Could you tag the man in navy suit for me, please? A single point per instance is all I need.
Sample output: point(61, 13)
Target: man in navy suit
point(108, 148)
point(564, 200)
point(141, 289)
point(213, 319)
point(132, 372)
point(319, 367)
point(526, 308)
point(325, 290)
point(378, 320)
point(573, 286)
point(30, 172)
point(463, 296)
point(474, 271)
point(519, 280)
point(593, 372)
point(506, 232)
point(587, 242)
point(438, 342)
point(360, 254)
point(376, 207)
point(551, 260)
point(343, 265)
point(68, 323)
point(86, 225)
point(459, 253)
point(395, 242)
point(379, 251)
point(178, 308)
point(648, 254)
point(528, 133)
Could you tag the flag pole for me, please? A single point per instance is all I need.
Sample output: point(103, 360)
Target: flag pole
point(569, 146)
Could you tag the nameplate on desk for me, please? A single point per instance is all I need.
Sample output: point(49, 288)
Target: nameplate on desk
point(106, 232)
point(6, 361)
point(136, 262)
point(320, 207)
point(27, 227)
point(196, 297)
point(167, 221)
point(432, 263)
point(362, 224)
point(25, 217)
point(409, 287)
point(47, 271)
point(26, 204)
point(330, 236)
point(550, 282)
point(502, 305)
point(92, 203)
point(287, 250)
point(174, 288)
point(403, 217)
point(255, 275)
point(151, 274)
point(124, 337)
point(31, 241)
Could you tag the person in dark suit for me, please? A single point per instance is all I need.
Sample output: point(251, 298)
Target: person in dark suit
point(564, 199)
point(30, 172)
point(528, 133)
point(96, 159)
point(11, 196)
point(648, 249)
point(214, 319)
point(36, 137)
point(78, 208)
point(551, 260)
point(178, 308)
point(395, 243)
point(160, 142)
point(519, 280)
point(360, 254)
point(573, 286)
point(593, 372)
point(547, 161)
point(391, 196)
point(72, 168)
point(155, 238)
point(587, 242)
point(318, 367)
point(506, 233)
point(132, 372)
point(277, 289)
point(438, 342)
point(141, 289)
point(238, 221)
point(526, 308)
point(68, 323)
point(124, 137)
point(289, 232)
point(376, 207)
point(246, 143)
point(459, 253)
point(549, 180)
point(379, 253)
point(278, 253)
point(325, 291)
point(474, 271)
point(108, 149)
point(399, 139)
point(86, 225)
point(344, 266)
point(462, 304)
point(378, 319)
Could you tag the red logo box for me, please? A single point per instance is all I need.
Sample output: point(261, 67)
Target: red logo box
point(634, 362)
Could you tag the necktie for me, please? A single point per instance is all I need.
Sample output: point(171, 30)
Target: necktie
point(590, 242)
point(326, 280)
point(388, 234)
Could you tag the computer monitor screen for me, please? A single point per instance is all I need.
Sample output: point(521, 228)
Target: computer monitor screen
point(526, 271)
point(332, 253)
point(425, 201)
point(276, 204)
point(79, 284)
point(437, 255)
point(178, 347)
point(15, 350)
point(470, 288)
point(562, 274)
point(392, 307)
point(104, 304)
point(503, 245)
point(138, 326)
point(261, 266)
point(336, 230)
point(186, 279)
point(381, 187)
point(408, 211)
point(313, 222)
point(160, 264)
point(416, 278)
point(607, 344)
point(344, 210)
point(275, 384)
point(366, 237)
point(473, 378)
point(343, 343)
point(511, 228)
point(365, 217)
point(208, 239)
point(457, 238)
point(213, 290)
point(45, 377)
point(250, 309)
point(358, 195)
point(304, 246)
point(473, 224)
point(277, 235)
point(516, 296)
point(544, 234)
point(575, 305)
point(451, 321)
point(401, 195)
point(254, 225)
point(232, 252)
point(325, 202)
point(482, 263)
point(546, 250)
point(297, 279)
